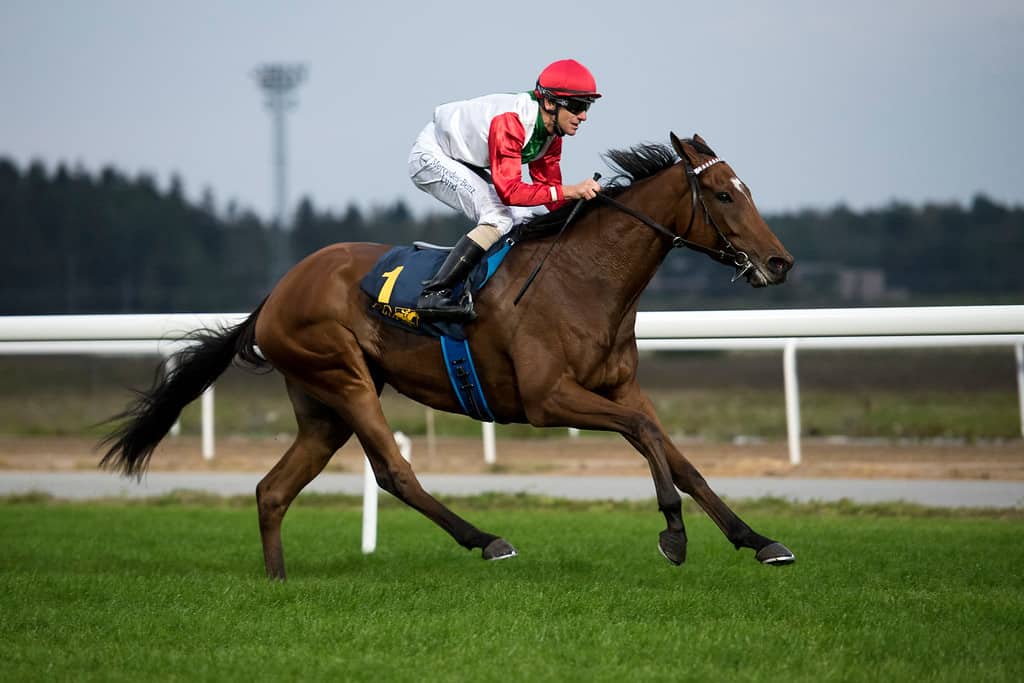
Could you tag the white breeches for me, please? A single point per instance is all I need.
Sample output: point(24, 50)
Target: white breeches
point(460, 187)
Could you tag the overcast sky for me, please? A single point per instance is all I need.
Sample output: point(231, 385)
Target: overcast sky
point(813, 103)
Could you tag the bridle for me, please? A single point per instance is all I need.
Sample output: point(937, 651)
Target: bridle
point(729, 254)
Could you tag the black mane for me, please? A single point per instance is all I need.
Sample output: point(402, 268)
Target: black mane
point(637, 163)
point(630, 165)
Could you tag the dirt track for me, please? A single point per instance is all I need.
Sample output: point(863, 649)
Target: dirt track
point(583, 456)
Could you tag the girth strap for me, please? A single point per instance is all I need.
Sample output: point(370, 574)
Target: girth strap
point(458, 361)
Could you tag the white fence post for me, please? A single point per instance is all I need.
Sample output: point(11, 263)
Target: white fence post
point(207, 419)
point(371, 494)
point(404, 445)
point(431, 435)
point(792, 400)
point(169, 364)
point(490, 454)
point(1018, 352)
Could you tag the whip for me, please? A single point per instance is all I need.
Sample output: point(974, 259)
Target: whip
point(572, 214)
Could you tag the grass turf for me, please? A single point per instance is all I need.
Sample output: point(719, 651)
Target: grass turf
point(123, 591)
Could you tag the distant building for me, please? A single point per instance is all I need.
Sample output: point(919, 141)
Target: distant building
point(861, 284)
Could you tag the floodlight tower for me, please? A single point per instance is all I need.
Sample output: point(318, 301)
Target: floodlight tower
point(279, 82)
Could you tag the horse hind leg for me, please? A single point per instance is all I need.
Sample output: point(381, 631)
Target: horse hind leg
point(404, 486)
point(346, 392)
point(320, 434)
point(401, 483)
point(396, 476)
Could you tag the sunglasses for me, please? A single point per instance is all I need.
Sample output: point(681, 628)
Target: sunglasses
point(576, 107)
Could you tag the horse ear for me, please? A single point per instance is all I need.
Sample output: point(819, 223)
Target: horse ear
point(677, 145)
point(680, 149)
point(698, 138)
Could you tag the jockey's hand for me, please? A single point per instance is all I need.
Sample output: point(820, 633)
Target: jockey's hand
point(588, 189)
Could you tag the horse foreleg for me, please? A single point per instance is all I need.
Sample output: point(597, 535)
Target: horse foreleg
point(571, 405)
point(692, 483)
point(321, 433)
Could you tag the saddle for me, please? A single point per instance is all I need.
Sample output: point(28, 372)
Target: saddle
point(396, 281)
point(394, 284)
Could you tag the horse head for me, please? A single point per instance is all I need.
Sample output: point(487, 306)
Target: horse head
point(724, 221)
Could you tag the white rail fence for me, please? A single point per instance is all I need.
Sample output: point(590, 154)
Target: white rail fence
point(785, 330)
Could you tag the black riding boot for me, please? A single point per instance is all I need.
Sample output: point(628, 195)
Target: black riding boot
point(436, 301)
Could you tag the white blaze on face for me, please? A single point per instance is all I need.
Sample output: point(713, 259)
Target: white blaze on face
point(741, 187)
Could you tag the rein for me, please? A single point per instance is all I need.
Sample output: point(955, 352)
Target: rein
point(738, 258)
point(572, 214)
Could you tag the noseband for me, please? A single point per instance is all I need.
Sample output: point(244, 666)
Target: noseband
point(728, 254)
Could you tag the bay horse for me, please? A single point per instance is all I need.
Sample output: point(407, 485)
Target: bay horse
point(563, 356)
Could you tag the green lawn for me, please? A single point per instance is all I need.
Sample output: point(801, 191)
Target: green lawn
point(141, 591)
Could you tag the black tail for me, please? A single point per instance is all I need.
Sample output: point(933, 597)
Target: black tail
point(154, 412)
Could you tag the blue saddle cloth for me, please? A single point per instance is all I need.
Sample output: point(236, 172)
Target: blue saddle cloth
point(394, 284)
point(396, 281)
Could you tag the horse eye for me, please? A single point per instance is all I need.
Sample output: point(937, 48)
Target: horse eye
point(723, 197)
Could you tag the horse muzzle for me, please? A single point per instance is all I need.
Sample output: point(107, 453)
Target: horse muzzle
point(771, 271)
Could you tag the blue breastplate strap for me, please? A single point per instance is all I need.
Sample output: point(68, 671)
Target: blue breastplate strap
point(459, 363)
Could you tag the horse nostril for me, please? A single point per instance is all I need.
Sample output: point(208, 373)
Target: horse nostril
point(779, 265)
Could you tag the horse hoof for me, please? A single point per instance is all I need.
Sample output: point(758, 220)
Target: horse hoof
point(672, 545)
point(775, 554)
point(499, 549)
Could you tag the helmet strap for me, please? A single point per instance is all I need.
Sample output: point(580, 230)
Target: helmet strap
point(557, 129)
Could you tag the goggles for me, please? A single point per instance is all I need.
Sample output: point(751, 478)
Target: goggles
point(574, 106)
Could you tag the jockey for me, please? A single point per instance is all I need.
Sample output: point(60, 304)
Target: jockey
point(498, 134)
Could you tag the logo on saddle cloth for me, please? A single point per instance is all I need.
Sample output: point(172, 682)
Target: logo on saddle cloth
point(396, 281)
point(394, 284)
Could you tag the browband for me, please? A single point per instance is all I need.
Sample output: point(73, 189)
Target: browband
point(705, 166)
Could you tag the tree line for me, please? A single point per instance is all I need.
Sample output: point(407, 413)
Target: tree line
point(82, 242)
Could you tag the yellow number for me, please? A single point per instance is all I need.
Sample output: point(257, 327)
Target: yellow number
point(390, 278)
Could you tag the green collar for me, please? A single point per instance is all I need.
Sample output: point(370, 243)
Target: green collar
point(539, 138)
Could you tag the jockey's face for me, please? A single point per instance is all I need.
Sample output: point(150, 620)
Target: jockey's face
point(567, 121)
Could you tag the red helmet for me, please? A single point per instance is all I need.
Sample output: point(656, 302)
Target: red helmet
point(567, 78)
